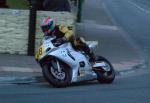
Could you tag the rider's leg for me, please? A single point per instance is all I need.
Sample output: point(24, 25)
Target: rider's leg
point(80, 44)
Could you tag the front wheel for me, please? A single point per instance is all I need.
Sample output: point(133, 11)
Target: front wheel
point(57, 77)
point(104, 76)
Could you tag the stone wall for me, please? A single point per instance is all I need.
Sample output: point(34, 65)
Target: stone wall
point(14, 28)
point(13, 31)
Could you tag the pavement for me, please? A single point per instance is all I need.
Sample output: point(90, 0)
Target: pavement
point(19, 69)
point(114, 44)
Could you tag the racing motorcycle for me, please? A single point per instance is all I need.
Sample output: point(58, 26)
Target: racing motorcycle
point(62, 65)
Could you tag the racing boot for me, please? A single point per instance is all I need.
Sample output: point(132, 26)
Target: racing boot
point(92, 57)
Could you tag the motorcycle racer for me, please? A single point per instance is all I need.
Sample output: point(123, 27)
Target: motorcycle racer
point(65, 34)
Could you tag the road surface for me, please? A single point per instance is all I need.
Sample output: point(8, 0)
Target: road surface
point(133, 16)
point(133, 87)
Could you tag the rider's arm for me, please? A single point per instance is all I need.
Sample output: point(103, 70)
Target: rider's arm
point(68, 32)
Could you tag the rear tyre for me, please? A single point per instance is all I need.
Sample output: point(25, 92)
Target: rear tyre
point(105, 76)
point(54, 77)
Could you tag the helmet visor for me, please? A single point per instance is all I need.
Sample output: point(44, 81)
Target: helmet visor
point(45, 28)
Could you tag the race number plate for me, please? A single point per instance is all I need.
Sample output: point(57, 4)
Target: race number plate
point(39, 52)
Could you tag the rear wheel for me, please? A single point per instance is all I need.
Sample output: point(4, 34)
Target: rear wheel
point(57, 77)
point(105, 74)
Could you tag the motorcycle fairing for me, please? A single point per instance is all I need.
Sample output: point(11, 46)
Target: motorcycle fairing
point(72, 58)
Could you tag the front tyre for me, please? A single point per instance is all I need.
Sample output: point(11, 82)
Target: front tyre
point(102, 75)
point(57, 78)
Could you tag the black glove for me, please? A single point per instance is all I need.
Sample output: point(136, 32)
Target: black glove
point(59, 41)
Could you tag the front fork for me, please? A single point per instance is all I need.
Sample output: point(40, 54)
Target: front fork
point(58, 66)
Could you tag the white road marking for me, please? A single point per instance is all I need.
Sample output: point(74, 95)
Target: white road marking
point(98, 26)
point(139, 7)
